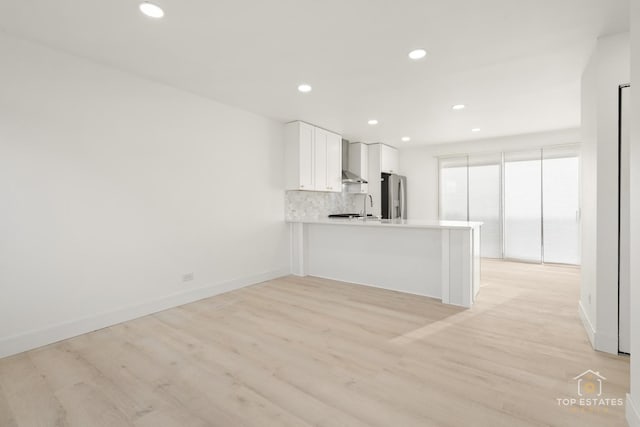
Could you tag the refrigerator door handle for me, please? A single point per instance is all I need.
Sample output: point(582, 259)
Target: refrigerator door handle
point(403, 201)
point(392, 197)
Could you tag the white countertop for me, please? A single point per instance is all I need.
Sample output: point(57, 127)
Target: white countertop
point(406, 223)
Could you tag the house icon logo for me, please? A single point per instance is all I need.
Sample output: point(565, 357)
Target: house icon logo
point(589, 383)
point(590, 395)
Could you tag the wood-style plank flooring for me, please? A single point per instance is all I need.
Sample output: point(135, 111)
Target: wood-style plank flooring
point(298, 352)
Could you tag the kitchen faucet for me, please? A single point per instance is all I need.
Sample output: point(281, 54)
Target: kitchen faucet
point(364, 207)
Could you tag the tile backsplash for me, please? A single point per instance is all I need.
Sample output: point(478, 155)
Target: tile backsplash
point(314, 204)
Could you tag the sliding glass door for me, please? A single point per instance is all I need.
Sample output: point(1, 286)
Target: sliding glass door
point(561, 205)
point(454, 181)
point(485, 202)
point(528, 201)
point(523, 205)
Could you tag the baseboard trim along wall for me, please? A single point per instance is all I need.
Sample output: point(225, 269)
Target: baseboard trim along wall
point(38, 338)
point(600, 342)
point(632, 412)
point(591, 333)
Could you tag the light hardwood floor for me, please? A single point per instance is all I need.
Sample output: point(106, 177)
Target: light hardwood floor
point(296, 352)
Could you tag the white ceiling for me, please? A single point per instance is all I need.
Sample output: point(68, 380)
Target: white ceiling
point(516, 64)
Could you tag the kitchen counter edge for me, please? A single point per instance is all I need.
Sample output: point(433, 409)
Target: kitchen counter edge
point(411, 223)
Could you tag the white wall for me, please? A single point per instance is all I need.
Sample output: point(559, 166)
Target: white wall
point(420, 164)
point(607, 69)
point(113, 187)
point(589, 201)
point(633, 400)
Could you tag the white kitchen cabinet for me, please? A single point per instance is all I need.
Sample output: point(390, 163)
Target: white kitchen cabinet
point(359, 164)
point(320, 152)
point(388, 159)
point(334, 162)
point(299, 156)
point(313, 158)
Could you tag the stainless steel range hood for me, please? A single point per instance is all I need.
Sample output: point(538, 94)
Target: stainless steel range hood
point(349, 177)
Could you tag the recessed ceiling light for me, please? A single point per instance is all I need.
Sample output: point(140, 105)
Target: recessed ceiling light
point(373, 122)
point(475, 130)
point(304, 88)
point(417, 54)
point(406, 139)
point(459, 107)
point(151, 10)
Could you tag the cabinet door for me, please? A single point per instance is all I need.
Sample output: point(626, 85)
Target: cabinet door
point(394, 166)
point(389, 159)
point(307, 169)
point(320, 141)
point(334, 162)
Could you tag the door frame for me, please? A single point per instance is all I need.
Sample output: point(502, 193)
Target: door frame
point(620, 92)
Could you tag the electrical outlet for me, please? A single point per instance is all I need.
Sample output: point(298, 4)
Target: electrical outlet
point(187, 277)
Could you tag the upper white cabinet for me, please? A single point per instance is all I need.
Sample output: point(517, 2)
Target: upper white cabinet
point(305, 157)
point(388, 159)
point(320, 141)
point(334, 161)
point(313, 158)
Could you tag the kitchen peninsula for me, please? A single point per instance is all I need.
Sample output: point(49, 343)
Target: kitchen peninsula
point(438, 259)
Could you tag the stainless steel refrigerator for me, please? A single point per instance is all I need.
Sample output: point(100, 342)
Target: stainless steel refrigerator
point(394, 196)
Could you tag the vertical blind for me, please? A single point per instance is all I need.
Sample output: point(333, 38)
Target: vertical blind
point(454, 181)
point(485, 200)
point(527, 200)
point(523, 205)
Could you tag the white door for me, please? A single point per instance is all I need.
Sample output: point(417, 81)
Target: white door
point(334, 162)
point(306, 157)
point(321, 159)
point(624, 320)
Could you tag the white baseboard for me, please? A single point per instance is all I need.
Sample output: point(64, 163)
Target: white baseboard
point(632, 412)
point(29, 340)
point(599, 341)
point(588, 326)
